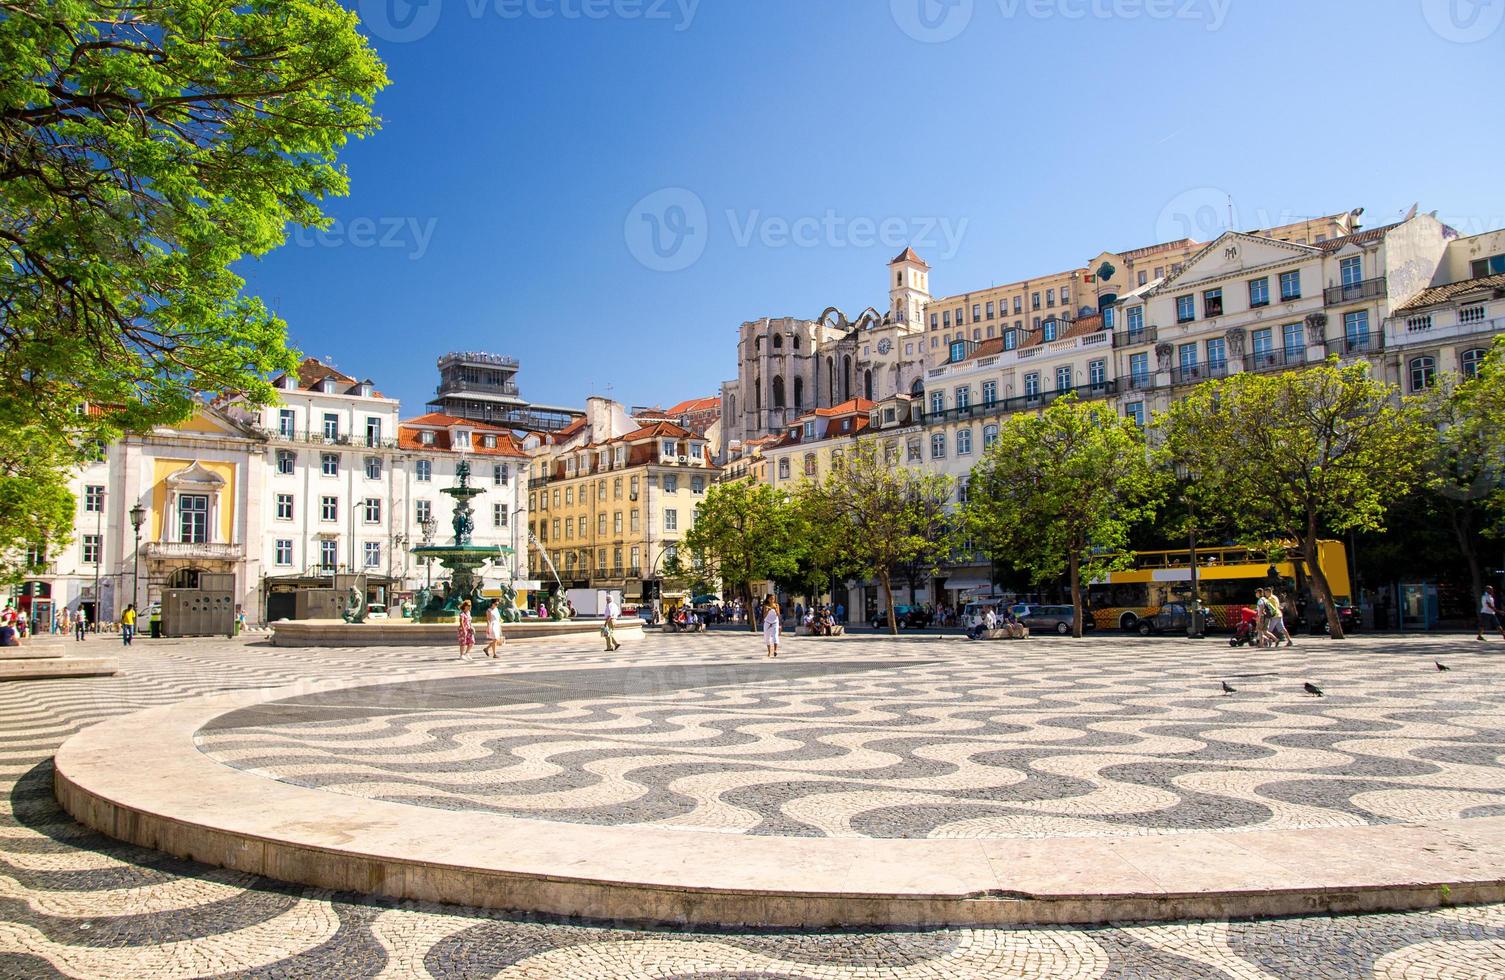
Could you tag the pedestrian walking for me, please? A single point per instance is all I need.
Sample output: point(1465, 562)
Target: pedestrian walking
point(771, 625)
point(1277, 625)
point(1489, 613)
point(466, 632)
point(609, 628)
point(80, 624)
point(493, 630)
point(128, 625)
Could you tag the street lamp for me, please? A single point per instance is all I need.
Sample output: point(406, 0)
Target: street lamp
point(430, 525)
point(138, 517)
point(99, 547)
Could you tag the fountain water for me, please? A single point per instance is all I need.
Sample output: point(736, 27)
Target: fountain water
point(462, 559)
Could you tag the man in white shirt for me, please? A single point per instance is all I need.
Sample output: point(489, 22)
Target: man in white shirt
point(1489, 614)
point(610, 629)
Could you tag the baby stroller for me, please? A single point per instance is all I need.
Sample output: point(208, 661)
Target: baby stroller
point(1245, 629)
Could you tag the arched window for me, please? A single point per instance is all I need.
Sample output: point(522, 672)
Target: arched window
point(758, 395)
point(846, 378)
point(778, 391)
point(831, 380)
point(964, 442)
point(1470, 361)
point(918, 388)
point(784, 468)
point(1423, 372)
point(778, 341)
point(757, 343)
point(809, 464)
point(867, 385)
point(989, 436)
point(799, 391)
point(795, 340)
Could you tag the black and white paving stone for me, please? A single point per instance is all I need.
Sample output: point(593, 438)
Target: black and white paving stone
point(861, 736)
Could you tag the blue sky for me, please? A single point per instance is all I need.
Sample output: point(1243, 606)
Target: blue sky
point(608, 188)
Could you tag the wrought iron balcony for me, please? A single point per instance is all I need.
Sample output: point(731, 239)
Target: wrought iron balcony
point(1018, 403)
point(1133, 338)
point(1357, 345)
point(319, 438)
point(1354, 292)
point(1190, 374)
point(1274, 360)
point(212, 551)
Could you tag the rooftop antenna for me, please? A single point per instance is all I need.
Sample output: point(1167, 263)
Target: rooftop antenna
point(1230, 212)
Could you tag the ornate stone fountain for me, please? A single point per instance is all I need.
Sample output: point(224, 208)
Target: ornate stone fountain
point(462, 559)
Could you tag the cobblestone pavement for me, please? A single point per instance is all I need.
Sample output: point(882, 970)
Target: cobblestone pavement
point(1393, 739)
point(983, 740)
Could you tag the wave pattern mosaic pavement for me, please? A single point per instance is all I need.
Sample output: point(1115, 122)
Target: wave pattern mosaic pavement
point(1017, 744)
point(73, 903)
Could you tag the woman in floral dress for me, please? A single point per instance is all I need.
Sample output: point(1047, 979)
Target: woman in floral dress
point(466, 634)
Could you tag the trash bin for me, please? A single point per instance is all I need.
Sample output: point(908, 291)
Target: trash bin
point(156, 625)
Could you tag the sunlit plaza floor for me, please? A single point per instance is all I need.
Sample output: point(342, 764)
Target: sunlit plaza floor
point(859, 738)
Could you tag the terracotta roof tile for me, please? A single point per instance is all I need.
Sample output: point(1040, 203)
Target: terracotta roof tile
point(695, 405)
point(1453, 290)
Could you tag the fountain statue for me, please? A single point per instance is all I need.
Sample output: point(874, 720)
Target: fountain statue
point(461, 558)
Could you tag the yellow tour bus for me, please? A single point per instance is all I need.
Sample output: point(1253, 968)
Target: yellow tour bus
point(1226, 580)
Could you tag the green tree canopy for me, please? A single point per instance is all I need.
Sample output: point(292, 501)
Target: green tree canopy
point(144, 148)
point(36, 507)
point(746, 532)
point(870, 515)
point(1297, 455)
point(1059, 492)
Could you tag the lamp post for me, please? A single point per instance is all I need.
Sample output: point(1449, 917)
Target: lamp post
point(99, 547)
point(430, 526)
point(138, 517)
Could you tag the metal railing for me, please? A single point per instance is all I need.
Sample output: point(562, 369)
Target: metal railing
point(461, 387)
point(344, 440)
point(1354, 292)
point(192, 549)
point(1188, 374)
point(1133, 338)
point(1273, 360)
point(1004, 406)
point(1367, 343)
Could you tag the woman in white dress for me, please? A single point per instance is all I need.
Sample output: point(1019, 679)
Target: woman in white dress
point(493, 629)
point(771, 626)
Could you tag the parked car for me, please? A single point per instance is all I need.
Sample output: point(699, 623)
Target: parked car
point(376, 610)
point(1348, 615)
point(908, 617)
point(1173, 617)
point(1058, 619)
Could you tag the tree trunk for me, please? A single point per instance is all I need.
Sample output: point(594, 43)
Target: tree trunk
point(1319, 581)
point(752, 611)
point(888, 597)
point(1461, 517)
point(1076, 594)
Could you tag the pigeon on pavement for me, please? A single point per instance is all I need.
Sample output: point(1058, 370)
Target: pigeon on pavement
point(1227, 689)
point(1312, 689)
point(1441, 665)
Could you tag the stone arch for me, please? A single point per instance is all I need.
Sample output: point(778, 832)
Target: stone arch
point(831, 380)
point(758, 398)
point(846, 377)
point(778, 391)
point(867, 384)
point(918, 388)
point(778, 341)
point(799, 392)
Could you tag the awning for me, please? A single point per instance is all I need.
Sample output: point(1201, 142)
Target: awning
point(965, 584)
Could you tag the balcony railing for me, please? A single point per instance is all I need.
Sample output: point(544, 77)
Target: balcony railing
point(1133, 338)
point(193, 549)
point(1017, 403)
point(1357, 345)
point(461, 387)
point(1137, 382)
point(1354, 292)
point(318, 438)
point(1274, 360)
point(1190, 374)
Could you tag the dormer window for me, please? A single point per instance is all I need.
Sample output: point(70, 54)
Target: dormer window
point(809, 430)
point(365, 388)
point(489, 442)
point(462, 438)
point(425, 438)
point(327, 386)
point(668, 447)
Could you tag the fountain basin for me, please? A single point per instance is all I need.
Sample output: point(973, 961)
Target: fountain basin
point(402, 633)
